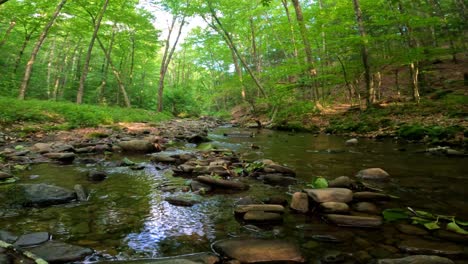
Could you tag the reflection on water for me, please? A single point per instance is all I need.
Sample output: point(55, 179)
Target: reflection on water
point(126, 215)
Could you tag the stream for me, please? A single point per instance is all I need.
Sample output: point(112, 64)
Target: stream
point(126, 216)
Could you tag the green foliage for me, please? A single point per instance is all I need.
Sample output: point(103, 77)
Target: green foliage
point(395, 214)
point(69, 115)
point(412, 132)
point(318, 183)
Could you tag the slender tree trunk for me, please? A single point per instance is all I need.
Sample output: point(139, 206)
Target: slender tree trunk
point(132, 59)
point(84, 72)
point(311, 71)
point(347, 82)
point(7, 33)
point(291, 29)
point(370, 97)
point(51, 58)
point(27, 38)
point(239, 74)
point(167, 56)
point(377, 78)
point(37, 47)
point(102, 87)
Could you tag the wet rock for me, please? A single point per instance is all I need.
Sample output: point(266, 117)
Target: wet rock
point(274, 208)
point(80, 193)
point(421, 246)
point(334, 207)
point(41, 195)
point(97, 176)
point(278, 180)
point(64, 157)
point(341, 182)
point(198, 186)
point(54, 251)
point(4, 175)
point(373, 174)
point(352, 141)
point(163, 158)
point(276, 199)
point(300, 202)
point(261, 216)
point(417, 259)
point(370, 196)
point(7, 237)
point(257, 250)
point(272, 168)
point(199, 258)
point(330, 195)
point(451, 236)
point(366, 207)
point(183, 200)
point(137, 145)
point(197, 139)
point(411, 230)
point(186, 168)
point(5, 259)
point(32, 239)
point(42, 147)
point(333, 256)
point(382, 251)
point(355, 221)
point(220, 183)
point(362, 256)
point(218, 170)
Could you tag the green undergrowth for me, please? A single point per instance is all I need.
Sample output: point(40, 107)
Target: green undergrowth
point(50, 115)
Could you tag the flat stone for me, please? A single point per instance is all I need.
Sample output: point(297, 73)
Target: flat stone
point(366, 207)
point(352, 141)
point(257, 250)
point(426, 247)
point(42, 147)
point(198, 186)
point(274, 208)
point(355, 221)
point(4, 175)
point(137, 145)
point(42, 194)
point(199, 258)
point(163, 157)
point(330, 195)
point(411, 230)
point(222, 183)
point(32, 239)
point(182, 200)
point(8, 236)
point(300, 202)
point(280, 169)
point(279, 180)
point(341, 182)
point(370, 196)
point(417, 259)
point(334, 207)
point(65, 157)
point(373, 174)
point(261, 216)
point(55, 251)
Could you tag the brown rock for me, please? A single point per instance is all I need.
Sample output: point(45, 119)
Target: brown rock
point(330, 195)
point(261, 216)
point(334, 207)
point(355, 221)
point(370, 196)
point(222, 183)
point(373, 174)
point(300, 202)
point(275, 208)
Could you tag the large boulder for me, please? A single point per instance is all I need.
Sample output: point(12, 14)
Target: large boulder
point(39, 195)
point(59, 252)
point(258, 251)
point(324, 195)
point(417, 259)
point(373, 174)
point(137, 145)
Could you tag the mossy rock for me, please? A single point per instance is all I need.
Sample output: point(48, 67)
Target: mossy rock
point(412, 132)
point(296, 126)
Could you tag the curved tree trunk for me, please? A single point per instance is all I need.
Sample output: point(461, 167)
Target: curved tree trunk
point(37, 47)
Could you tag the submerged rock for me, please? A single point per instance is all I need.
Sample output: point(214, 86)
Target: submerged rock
point(275, 208)
point(40, 195)
point(373, 174)
point(54, 251)
point(417, 259)
point(32, 239)
point(8, 237)
point(97, 176)
point(183, 200)
point(341, 182)
point(330, 195)
point(370, 196)
point(352, 141)
point(278, 179)
point(261, 216)
point(411, 230)
point(421, 246)
point(366, 207)
point(257, 250)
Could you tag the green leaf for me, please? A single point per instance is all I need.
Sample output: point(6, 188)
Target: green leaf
point(9, 180)
point(456, 228)
point(424, 214)
point(127, 162)
point(462, 223)
point(319, 183)
point(238, 170)
point(432, 225)
point(395, 214)
point(19, 147)
point(19, 167)
point(205, 146)
point(420, 220)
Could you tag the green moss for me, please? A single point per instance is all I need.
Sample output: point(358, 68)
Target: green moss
point(412, 132)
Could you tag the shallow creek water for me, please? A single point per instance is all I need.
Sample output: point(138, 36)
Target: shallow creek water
point(126, 216)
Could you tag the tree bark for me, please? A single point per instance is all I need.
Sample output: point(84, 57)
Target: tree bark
point(84, 72)
point(7, 33)
point(370, 97)
point(167, 56)
point(37, 47)
point(106, 67)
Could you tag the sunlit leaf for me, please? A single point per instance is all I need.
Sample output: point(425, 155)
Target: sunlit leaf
point(9, 180)
point(420, 220)
point(319, 183)
point(395, 214)
point(127, 162)
point(19, 147)
point(20, 167)
point(432, 225)
point(452, 226)
point(462, 223)
point(424, 214)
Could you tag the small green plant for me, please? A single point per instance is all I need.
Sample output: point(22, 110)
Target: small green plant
point(318, 183)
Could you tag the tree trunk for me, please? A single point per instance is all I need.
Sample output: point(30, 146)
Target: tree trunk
point(84, 72)
point(311, 71)
point(291, 29)
point(370, 97)
point(106, 67)
point(37, 47)
point(49, 67)
point(7, 33)
point(239, 74)
point(167, 56)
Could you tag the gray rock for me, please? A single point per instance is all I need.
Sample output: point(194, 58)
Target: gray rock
point(261, 216)
point(54, 251)
point(4, 175)
point(278, 180)
point(197, 186)
point(137, 145)
point(417, 259)
point(80, 193)
point(222, 183)
point(330, 195)
point(352, 141)
point(373, 174)
point(334, 207)
point(186, 168)
point(411, 230)
point(370, 196)
point(274, 208)
point(183, 200)
point(272, 168)
point(65, 157)
point(257, 250)
point(163, 157)
point(41, 195)
point(300, 202)
point(426, 247)
point(32, 239)
point(8, 237)
point(366, 207)
point(355, 221)
point(341, 182)
point(42, 147)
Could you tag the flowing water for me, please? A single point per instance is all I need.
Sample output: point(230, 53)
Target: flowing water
point(126, 216)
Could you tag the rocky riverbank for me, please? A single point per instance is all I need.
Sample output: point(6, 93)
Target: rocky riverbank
point(348, 208)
